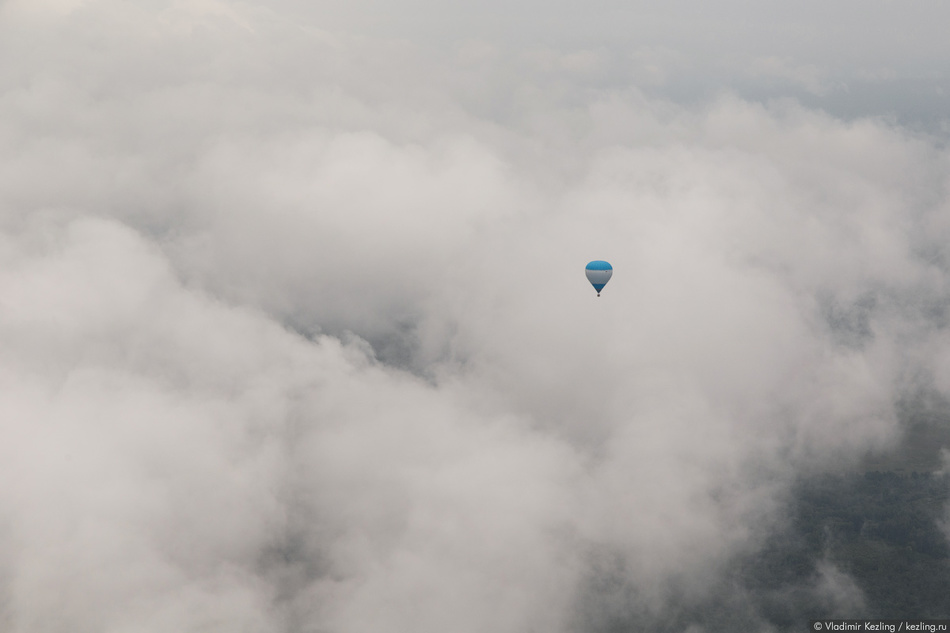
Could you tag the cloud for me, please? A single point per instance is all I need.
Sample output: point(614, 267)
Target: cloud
point(181, 457)
point(295, 335)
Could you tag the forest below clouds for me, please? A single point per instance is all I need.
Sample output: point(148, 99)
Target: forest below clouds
point(867, 540)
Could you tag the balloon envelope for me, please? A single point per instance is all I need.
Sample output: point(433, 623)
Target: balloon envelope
point(598, 274)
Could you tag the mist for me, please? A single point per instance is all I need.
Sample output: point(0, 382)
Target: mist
point(295, 333)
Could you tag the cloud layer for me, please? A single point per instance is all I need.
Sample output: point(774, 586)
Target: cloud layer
point(296, 335)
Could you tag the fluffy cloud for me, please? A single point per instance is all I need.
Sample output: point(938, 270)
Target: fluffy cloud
point(177, 463)
point(295, 334)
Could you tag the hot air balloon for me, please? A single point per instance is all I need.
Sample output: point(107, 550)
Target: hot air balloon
point(598, 274)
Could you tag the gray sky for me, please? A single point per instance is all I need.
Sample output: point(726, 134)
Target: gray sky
point(851, 58)
point(295, 332)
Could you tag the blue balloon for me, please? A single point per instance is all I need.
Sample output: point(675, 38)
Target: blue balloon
point(598, 274)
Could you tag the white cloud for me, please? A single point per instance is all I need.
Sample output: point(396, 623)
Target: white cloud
point(214, 216)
